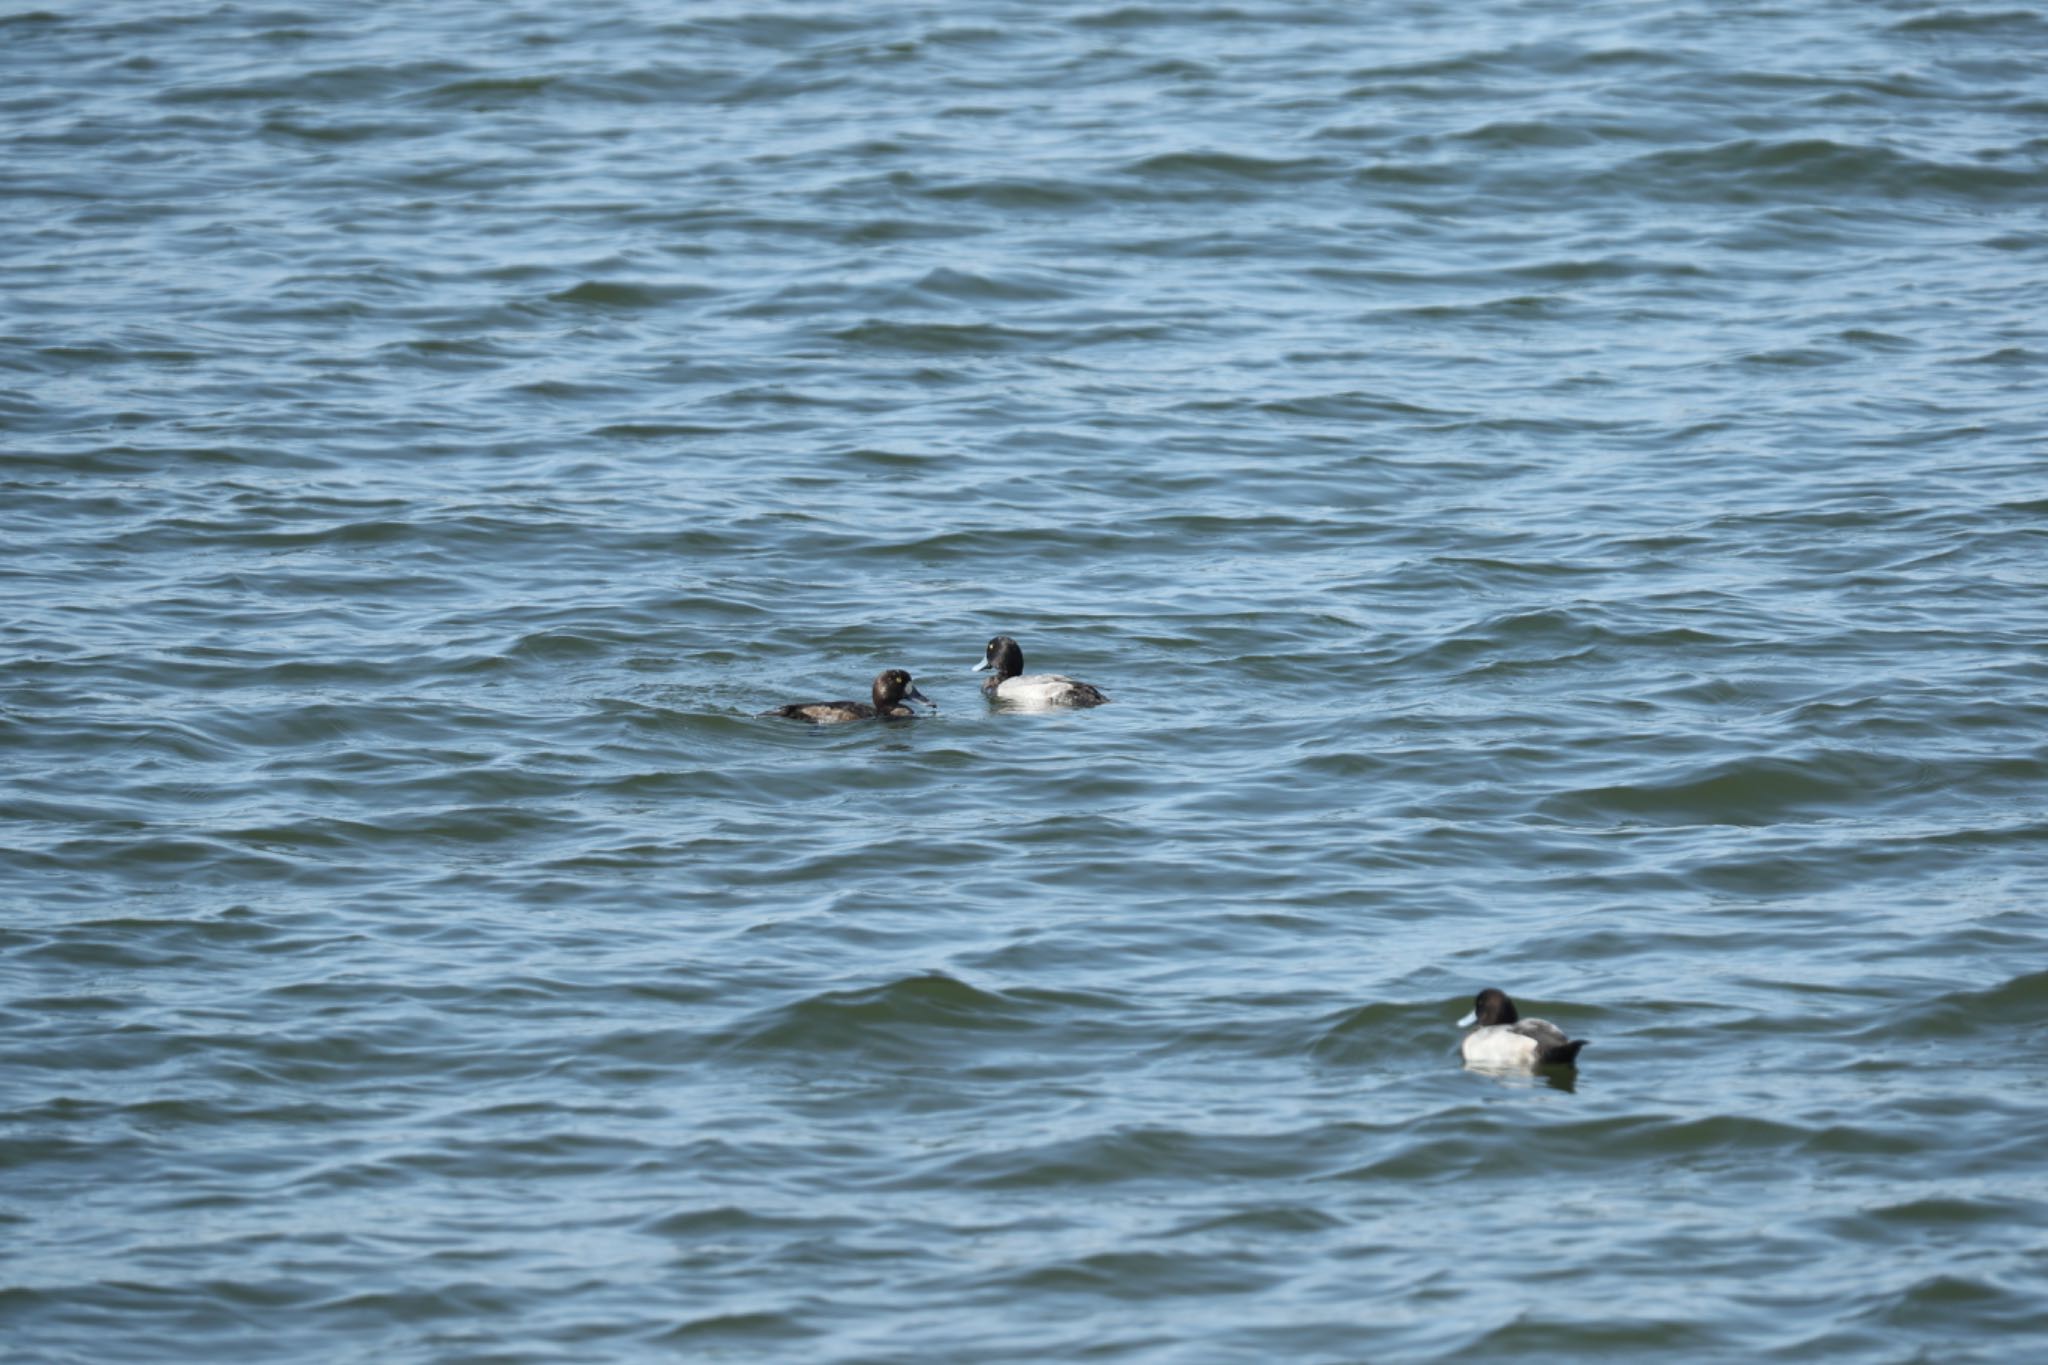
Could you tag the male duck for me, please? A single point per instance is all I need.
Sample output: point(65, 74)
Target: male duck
point(1505, 1038)
point(892, 687)
point(1038, 690)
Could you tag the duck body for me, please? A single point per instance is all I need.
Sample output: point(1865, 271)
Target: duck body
point(1505, 1039)
point(892, 692)
point(1038, 691)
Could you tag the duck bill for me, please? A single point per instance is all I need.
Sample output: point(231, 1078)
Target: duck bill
point(1471, 1018)
point(978, 667)
point(914, 695)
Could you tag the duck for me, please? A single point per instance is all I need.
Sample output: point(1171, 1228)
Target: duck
point(893, 687)
point(1505, 1038)
point(1037, 691)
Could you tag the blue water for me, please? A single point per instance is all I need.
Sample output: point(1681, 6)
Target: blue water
point(1558, 496)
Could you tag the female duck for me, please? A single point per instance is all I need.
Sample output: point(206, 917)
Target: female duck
point(1505, 1038)
point(1038, 690)
point(892, 687)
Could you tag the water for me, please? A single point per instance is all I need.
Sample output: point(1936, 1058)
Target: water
point(1556, 495)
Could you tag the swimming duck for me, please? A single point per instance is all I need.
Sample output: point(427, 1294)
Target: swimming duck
point(1505, 1038)
point(1038, 690)
point(892, 687)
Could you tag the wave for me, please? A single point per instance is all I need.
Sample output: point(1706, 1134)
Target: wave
point(1813, 168)
point(927, 1017)
point(1759, 790)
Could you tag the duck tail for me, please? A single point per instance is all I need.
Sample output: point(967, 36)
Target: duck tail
point(1564, 1054)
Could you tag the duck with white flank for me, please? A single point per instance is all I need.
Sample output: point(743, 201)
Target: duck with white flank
point(1038, 691)
point(1505, 1038)
point(892, 688)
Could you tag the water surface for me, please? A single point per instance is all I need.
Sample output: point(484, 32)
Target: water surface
point(1557, 499)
